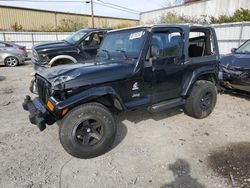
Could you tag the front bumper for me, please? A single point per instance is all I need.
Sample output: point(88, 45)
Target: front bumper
point(38, 64)
point(21, 59)
point(39, 115)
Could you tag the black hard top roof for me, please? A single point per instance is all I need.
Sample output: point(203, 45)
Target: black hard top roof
point(183, 26)
point(87, 30)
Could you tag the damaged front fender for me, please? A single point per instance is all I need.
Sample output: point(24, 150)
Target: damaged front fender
point(90, 95)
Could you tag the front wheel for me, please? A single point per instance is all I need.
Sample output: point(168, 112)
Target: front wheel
point(87, 131)
point(202, 99)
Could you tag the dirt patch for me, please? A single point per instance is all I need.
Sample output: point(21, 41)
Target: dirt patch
point(233, 163)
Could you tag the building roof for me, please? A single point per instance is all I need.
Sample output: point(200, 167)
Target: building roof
point(61, 12)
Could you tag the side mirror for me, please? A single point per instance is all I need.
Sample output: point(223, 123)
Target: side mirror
point(233, 50)
point(155, 51)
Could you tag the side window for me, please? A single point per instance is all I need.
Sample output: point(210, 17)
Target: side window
point(169, 43)
point(200, 43)
point(2, 45)
point(96, 39)
point(85, 42)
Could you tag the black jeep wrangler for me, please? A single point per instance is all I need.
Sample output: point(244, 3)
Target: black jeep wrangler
point(80, 46)
point(156, 67)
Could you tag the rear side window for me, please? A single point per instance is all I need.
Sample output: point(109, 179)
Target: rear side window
point(170, 43)
point(2, 45)
point(200, 43)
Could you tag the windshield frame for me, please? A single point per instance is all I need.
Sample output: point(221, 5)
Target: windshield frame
point(74, 34)
point(122, 53)
point(238, 50)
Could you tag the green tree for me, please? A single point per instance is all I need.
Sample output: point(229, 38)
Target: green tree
point(123, 25)
point(72, 24)
point(16, 27)
point(47, 28)
point(239, 16)
point(172, 17)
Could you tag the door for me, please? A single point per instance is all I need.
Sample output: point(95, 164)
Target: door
point(90, 45)
point(167, 64)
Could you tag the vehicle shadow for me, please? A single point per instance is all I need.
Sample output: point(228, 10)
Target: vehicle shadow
point(243, 95)
point(182, 177)
point(120, 134)
point(25, 63)
point(139, 115)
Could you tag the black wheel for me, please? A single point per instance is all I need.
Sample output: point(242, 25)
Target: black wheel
point(11, 61)
point(202, 99)
point(87, 131)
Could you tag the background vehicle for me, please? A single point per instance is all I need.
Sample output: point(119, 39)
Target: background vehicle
point(80, 46)
point(235, 69)
point(153, 67)
point(12, 54)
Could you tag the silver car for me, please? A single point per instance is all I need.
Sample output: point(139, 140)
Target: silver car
point(12, 54)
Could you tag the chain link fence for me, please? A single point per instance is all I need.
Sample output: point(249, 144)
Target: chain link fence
point(30, 39)
point(232, 35)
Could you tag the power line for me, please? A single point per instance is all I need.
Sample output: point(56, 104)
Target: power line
point(116, 8)
point(105, 4)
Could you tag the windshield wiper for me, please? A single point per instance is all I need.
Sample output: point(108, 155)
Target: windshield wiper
point(124, 53)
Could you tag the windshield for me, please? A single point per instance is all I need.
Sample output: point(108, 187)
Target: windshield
point(244, 49)
point(76, 37)
point(128, 42)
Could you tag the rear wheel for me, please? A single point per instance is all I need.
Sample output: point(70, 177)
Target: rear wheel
point(11, 61)
point(202, 99)
point(87, 131)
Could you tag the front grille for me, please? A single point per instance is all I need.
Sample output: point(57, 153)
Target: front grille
point(42, 88)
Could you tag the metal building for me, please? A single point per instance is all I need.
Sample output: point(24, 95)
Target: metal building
point(35, 19)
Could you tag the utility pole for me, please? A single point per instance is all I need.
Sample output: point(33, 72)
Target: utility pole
point(92, 12)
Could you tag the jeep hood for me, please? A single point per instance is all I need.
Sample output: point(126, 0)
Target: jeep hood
point(77, 75)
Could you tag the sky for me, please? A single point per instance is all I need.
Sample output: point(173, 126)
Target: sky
point(84, 8)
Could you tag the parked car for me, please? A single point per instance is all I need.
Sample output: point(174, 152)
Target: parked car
point(80, 46)
point(12, 54)
point(153, 67)
point(235, 69)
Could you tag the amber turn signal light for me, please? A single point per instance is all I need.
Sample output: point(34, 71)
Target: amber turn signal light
point(50, 106)
point(64, 111)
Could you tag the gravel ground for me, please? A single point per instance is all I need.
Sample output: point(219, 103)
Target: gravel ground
point(168, 149)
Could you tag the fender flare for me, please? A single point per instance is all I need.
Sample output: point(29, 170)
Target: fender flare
point(194, 76)
point(62, 57)
point(91, 94)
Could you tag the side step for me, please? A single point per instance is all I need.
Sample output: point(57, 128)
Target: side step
point(166, 105)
